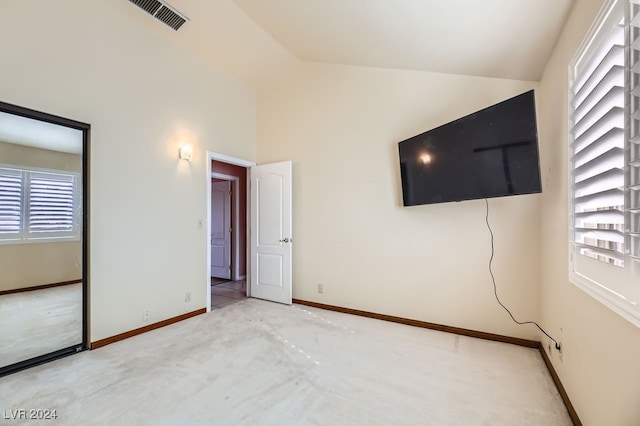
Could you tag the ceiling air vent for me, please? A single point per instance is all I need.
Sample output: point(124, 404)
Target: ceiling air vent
point(162, 12)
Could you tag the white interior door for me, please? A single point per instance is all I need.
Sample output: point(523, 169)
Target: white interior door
point(270, 277)
point(221, 229)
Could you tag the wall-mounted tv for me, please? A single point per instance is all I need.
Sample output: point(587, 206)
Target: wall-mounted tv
point(490, 153)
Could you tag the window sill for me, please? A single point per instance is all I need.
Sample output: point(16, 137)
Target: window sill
point(614, 301)
point(42, 240)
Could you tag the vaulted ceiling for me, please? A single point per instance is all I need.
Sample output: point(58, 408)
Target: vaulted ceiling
point(255, 39)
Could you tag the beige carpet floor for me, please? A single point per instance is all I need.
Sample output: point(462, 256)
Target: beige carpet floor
point(260, 363)
point(35, 323)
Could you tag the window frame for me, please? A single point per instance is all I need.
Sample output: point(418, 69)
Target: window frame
point(617, 287)
point(27, 237)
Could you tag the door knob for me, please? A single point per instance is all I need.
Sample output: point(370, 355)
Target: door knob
point(284, 240)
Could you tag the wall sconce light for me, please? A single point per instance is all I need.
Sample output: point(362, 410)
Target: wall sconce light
point(186, 152)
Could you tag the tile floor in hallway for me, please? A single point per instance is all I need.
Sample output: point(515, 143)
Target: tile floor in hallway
point(225, 293)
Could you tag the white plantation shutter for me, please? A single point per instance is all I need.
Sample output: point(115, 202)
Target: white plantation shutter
point(38, 205)
point(633, 151)
point(10, 202)
point(51, 202)
point(598, 152)
point(605, 161)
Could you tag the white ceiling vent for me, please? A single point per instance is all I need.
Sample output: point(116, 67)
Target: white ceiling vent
point(162, 12)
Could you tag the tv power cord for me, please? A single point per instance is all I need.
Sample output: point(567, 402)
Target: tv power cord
point(495, 289)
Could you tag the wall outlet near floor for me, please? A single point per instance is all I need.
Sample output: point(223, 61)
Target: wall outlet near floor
point(553, 349)
point(321, 288)
point(560, 351)
point(146, 315)
point(187, 297)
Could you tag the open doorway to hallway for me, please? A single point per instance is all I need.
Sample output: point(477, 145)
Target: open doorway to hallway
point(228, 233)
point(268, 271)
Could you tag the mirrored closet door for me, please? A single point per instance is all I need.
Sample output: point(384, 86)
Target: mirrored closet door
point(43, 218)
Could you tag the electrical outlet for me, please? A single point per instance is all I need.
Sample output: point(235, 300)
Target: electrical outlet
point(321, 288)
point(187, 297)
point(146, 315)
point(560, 351)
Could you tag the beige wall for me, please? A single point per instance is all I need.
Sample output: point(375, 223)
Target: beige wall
point(340, 125)
point(600, 364)
point(28, 156)
point(100, 63)
point(32, 264)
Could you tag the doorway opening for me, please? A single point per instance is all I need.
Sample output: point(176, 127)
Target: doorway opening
point(262, 251)
point(227, 230)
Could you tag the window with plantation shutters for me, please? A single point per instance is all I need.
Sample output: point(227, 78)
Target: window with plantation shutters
point(51, 202)
point(38, 205)
point(10, 202)
point(605, 160)
point(633, 149)
point(598, 152)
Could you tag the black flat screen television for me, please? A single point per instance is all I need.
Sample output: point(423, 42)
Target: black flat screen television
point(490, 153)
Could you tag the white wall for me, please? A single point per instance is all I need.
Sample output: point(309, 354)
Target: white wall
point(600, 365)
point(340, 125)
point(92, 61)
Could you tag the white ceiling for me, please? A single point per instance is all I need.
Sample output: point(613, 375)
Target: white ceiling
point(494, 38)
point(254, 40)
point(39, 134)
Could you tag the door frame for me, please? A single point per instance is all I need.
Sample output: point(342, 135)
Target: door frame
point(238, 162)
